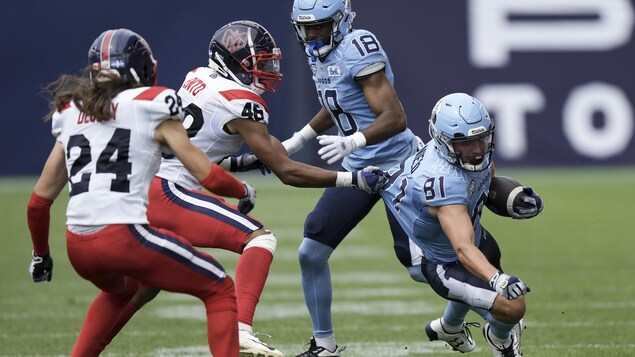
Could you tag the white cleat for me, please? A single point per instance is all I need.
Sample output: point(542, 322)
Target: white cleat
point(504, 348)
point(461, 341)
point(251, 346)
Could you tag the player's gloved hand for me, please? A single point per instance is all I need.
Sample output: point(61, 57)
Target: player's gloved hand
point(533, 205)
point(508, 286)
point(371, 179)
point(41, 268)
point(335, 147)
point(294, 143)
point(244, 162)
point(247, 203)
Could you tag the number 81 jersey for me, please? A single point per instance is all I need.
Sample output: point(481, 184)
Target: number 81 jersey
point(110, 164)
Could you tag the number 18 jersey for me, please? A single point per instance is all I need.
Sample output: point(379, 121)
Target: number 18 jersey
point(110, 164)
point(341, 95)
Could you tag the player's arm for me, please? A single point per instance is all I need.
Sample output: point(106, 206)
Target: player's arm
point(457, 225)
point(320, 123)
point(383, 101)
point(214, 178)
point(390, 121)
point(46, 190)
point(272, 153)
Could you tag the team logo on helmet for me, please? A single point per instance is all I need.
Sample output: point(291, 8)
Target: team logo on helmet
point(234, 40)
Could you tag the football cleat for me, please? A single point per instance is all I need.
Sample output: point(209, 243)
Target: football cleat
point(319, 351)
point(461, 341)
point(251, 346)
point(504, 348)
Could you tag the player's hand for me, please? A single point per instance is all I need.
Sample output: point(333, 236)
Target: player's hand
point(335, 147)
point(247, 203)
point(41, 268)
point(247, 162)
point(508, 286)
point(294, 143)
point(532, 207)
point(370, 179)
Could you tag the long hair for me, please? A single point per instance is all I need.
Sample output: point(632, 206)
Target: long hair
point(91, 92)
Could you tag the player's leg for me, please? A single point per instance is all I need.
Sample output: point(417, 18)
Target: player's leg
point(408, 253)
point(116, 291)
point(207, 220)
point(166, 261)
point(337, 212)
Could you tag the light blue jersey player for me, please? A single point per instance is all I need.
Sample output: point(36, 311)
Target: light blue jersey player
point(437, 196)
point(354, 83)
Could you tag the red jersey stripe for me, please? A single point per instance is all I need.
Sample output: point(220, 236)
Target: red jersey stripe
point(243, 94)
point(150, 93)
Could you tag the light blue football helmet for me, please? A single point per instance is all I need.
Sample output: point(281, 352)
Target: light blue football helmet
point(463, 131)
point(315, 12)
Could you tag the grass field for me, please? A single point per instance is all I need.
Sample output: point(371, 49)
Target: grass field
point(577, 257)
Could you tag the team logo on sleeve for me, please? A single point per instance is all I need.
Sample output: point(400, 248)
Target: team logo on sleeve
point(334, 71)
point(313, 69)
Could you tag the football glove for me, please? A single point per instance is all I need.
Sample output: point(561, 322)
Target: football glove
point(247, 203)
point(371, 179)
point(532, 207)
point(508, 286)
point(335, 147)
point(244, 162)
point(41, 268)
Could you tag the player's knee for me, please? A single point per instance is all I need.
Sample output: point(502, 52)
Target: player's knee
point(509, 311)
point(312, 252)
point(416, 274)
point(266, 241)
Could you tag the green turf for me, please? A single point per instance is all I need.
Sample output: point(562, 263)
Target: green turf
point(577, 258)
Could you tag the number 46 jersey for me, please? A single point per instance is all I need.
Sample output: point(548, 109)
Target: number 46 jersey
point(210, 101)
point(110, 164)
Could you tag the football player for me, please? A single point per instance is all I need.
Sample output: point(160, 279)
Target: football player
point(110, 130)
point(437, 196)
point(223, 110)
point(354, 82)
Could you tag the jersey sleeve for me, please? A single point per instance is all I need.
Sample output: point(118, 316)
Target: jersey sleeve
point(160, 103)
point(242, 103)
point(364, 52)
point(56, 124)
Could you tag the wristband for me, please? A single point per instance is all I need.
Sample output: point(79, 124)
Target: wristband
point(359, 139)
point(222, 183)
point(344, 179)
point(307, 132)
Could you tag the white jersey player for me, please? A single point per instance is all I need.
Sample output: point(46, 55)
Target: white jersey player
point(109, 131)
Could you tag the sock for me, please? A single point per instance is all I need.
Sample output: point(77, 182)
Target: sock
point(100, 319)
point(244, 327)
point(327, 342)
point(500, 330)
point(125, 316)
point(454, 316)
point(251, 274)
point(223, 341)
point(316, 285)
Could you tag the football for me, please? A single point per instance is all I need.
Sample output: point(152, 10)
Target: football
point(504, 194)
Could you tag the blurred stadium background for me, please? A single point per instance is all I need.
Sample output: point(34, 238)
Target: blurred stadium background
point(555, 74)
